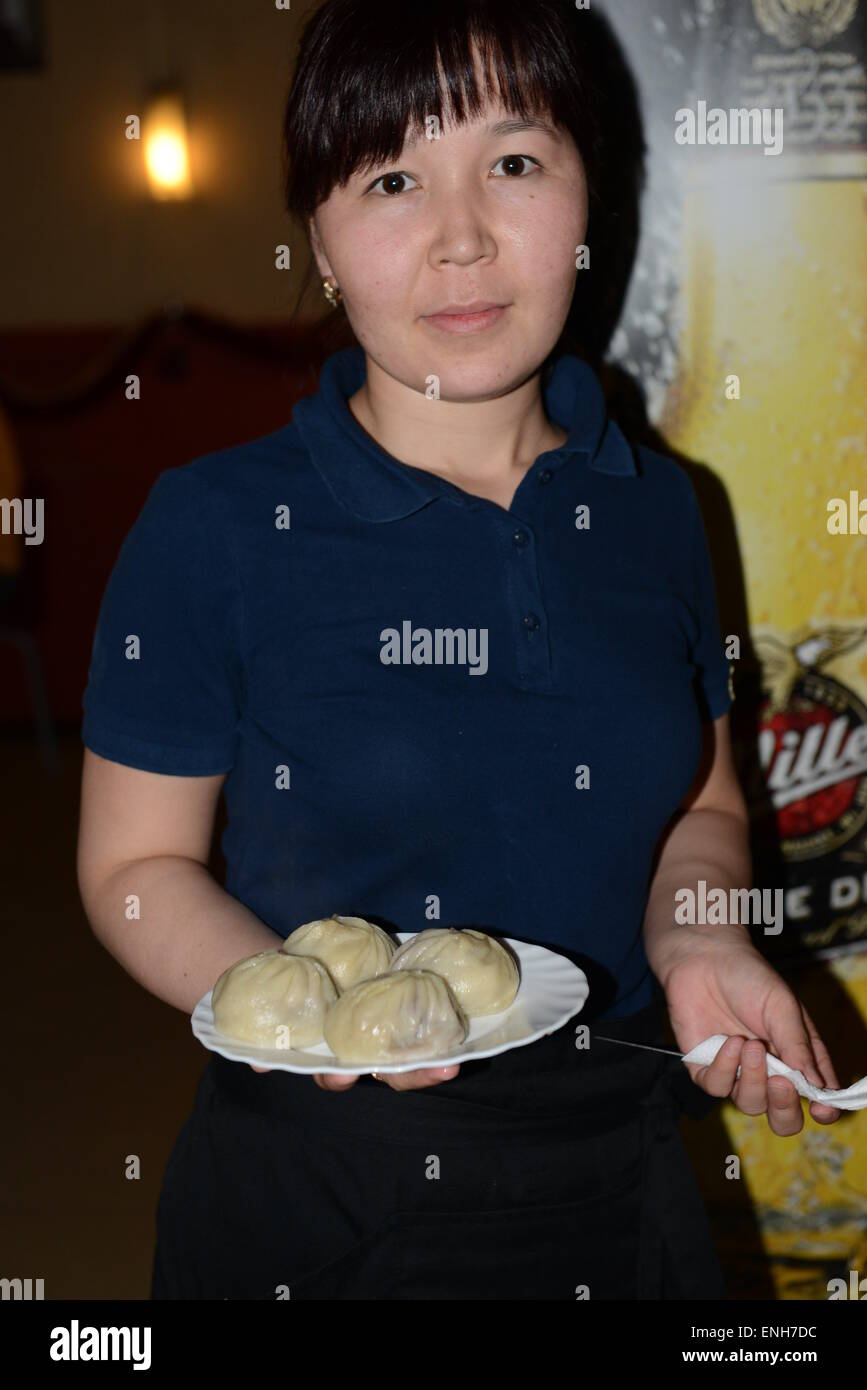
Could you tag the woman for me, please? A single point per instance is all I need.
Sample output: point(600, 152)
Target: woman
point(558, 778)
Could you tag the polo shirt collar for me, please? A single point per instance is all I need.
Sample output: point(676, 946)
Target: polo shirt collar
point(377, 487)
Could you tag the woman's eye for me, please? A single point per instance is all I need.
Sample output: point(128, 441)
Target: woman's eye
point(396, 183)
point(514, 159)
point(389, 180)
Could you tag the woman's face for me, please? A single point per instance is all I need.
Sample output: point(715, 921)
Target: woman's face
point(480, 214)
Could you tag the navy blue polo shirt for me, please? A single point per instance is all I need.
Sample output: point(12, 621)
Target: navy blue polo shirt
point(430, 709)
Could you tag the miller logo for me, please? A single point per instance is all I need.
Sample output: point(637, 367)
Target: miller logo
point(804, 23)
point(812, 743)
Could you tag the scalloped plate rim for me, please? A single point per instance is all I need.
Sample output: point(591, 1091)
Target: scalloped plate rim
point(574, 978)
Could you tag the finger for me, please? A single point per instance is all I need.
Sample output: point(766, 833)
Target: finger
point(750, 1093)
point(821, 1113)
point(333, 1080)
point(793, 1037)
point(718, 1077)
point(418, 1080)
point(259, 1068)
point(824, 1114)
point(785, 1115)
point(821, 1054)
point(791, 1041)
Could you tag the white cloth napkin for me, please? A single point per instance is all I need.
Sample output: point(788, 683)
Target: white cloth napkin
point(853, 1098)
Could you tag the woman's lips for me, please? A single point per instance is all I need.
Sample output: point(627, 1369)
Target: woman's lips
point(467, 323)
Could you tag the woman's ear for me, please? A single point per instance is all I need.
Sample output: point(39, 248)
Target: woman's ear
point(318, 249)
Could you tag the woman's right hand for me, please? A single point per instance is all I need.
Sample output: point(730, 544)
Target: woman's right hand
point(398, 1081)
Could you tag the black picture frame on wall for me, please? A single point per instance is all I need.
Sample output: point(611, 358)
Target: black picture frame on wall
point(21, 35)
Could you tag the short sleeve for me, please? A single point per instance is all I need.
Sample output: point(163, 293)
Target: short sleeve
point(164, 681)
point(710, 663)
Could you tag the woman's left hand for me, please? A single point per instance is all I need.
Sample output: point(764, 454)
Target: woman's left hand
point(719, 983)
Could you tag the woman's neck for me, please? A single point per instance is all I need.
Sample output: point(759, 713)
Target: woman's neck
point(482, 447)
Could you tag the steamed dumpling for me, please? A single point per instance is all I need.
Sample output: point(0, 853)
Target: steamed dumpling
point(395, 1018)
point(483, 976)
point(349, 948)
point(258, 998)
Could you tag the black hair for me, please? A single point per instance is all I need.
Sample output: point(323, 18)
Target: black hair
point(367, 76)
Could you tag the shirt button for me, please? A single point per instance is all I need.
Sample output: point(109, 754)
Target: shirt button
point(531, 622)
point(545, 476)
point(520, 539)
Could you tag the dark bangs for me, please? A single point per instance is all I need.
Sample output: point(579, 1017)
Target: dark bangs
point(368, 77)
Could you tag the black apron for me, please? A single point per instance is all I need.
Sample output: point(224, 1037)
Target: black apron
point(546, 1172)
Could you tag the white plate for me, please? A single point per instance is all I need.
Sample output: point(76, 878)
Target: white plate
point(552, 989)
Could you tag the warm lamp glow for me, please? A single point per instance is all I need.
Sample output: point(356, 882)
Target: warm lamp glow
point(167, 158)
